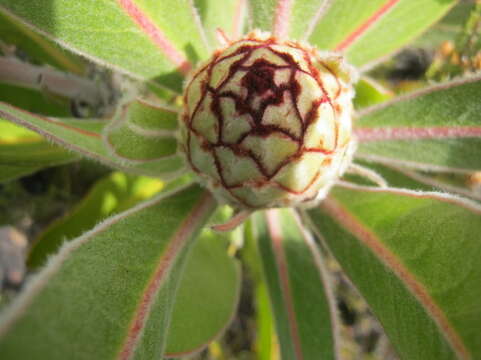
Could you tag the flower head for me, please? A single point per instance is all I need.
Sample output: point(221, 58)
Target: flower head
point(267, 123)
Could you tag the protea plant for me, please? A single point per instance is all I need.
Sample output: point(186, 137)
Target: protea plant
point(251, 135)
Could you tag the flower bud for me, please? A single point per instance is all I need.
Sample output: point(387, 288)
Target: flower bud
point(267, 123)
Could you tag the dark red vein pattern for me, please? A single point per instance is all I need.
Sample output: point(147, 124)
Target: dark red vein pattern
point(348, 221)
point(274, 225)
point(352, 37)
point(156, 35)
point(177, 242)
point(416, 133)
point(257, 83)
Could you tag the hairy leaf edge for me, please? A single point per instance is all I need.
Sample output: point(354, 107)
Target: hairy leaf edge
point(38, 281)
point(88, 56)
point(90, 155)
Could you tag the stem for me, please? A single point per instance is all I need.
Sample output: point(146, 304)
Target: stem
point(368, 174)
point(42, 78)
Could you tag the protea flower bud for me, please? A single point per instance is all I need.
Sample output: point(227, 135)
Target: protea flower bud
point(268, 123)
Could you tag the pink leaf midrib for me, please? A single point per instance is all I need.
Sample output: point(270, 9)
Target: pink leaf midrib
point(416, 133)
point(280, 27)
point(365, 26)
point(368, 238)
point(274, 226)
point(177, 242)
point(156, 35)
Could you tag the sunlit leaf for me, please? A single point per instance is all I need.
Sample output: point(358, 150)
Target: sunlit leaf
point(23, 152)
point(265, 339)
point(369, 30)
point(416, 260)
point(124, 34)
point(369, 92)
point(437, 128)
point(110, 195)
point(183, 29)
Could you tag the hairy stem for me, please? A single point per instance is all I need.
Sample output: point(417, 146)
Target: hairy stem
point(42, 78)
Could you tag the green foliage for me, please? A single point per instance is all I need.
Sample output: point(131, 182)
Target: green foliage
point(23, 152)
point(391, 25)
point(113, 194)
point(85, 137)
point(428, 138)
point(139, 254)
point(416, 262)
point(132, 271)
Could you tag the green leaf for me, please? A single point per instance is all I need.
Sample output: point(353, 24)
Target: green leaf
point(434, 128)
point(303, 306)
point(139, 38)
point(34, 101)
point(111, 195)
point(294, 19)
point(143, 132)
point(264, 324)
point(415, 257)
point(370, 30)
point(304, 16)
point(11, 133)
point(262, 14)
point(108, 294)
point(184, 29)
point(266, 346)
point(210, 274)
point(37, 47)
point(23, 152)
point(38, 153)
point(369, 92)
point(207, 297)
point(85, 138)
point(228, 15)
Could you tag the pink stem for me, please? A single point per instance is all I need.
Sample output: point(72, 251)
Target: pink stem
point(233, 222)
